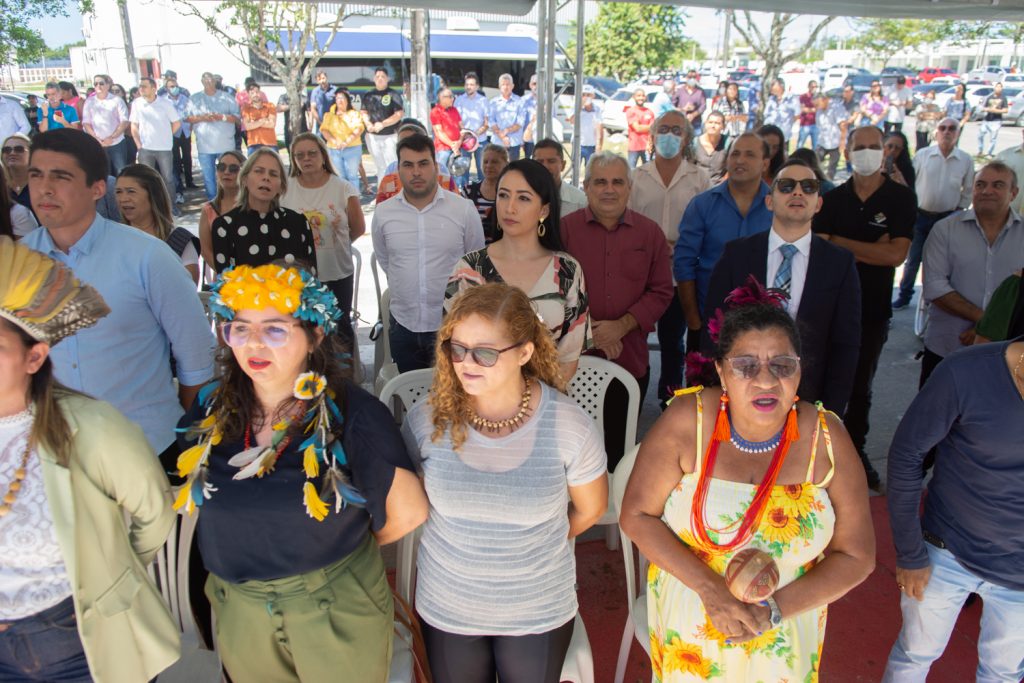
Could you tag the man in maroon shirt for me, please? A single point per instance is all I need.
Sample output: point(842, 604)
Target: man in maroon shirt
point(629, 284)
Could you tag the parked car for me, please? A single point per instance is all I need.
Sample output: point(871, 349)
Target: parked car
point(614, 116)
point(567, 99)
point(906, 72)
point(921, 88)
point(863, 80)
point(992, 74)
point(978, 95)
point(836, 75)
point(1016, 115)
point(930, 73)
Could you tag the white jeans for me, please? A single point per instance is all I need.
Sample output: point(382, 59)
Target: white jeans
point(928, 624)
point(382, 149)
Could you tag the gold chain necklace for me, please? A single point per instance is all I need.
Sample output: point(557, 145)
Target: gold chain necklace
point(515, 422)
point(19, 477)
point(1016, 373)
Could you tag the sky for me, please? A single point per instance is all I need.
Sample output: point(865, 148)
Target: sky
point(701, 23)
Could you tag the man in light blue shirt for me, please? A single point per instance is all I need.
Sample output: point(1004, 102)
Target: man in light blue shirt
point(473, 108)
point(155, 311)
point(733, 209)
point(780, 109)
point(213, 114)
point(507, 118)
point(12, 119)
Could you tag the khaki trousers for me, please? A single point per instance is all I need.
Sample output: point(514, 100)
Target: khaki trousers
point(333, 624)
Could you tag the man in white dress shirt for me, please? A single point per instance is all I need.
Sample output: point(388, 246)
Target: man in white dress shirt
point(418, 236)
point(662, 189)
point(945, 178)
point(551, 156)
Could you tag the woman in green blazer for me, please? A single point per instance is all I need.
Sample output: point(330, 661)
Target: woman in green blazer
point(84, 507)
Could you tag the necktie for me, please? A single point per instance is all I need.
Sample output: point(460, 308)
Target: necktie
point(784, 277)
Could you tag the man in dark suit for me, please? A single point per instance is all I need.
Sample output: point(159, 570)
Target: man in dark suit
point(819, 278)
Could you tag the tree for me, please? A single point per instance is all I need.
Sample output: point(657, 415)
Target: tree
point(627, 38)
point(19, 43)
point(769, 47)
point(287, 38)
point(62, 52)
point(882, 38)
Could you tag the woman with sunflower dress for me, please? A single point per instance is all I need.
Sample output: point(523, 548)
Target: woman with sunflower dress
point(747, 466)
point(300, 476)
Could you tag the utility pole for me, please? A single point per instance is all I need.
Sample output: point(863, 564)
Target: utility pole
point(129, 46)
point(419, 75)
point(728, 28)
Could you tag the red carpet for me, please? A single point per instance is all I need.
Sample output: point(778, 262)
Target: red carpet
point(861, 627)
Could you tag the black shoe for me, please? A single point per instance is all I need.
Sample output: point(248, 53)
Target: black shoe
point(900, 303)
point(874, 480)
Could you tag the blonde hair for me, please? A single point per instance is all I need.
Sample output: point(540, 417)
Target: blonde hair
point(294, 170)
point(243, 192)
point(510, 308)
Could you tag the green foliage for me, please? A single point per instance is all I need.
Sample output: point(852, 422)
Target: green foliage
point(882, 38)
point(62, 52)
point(627, 38)
point(19, 43)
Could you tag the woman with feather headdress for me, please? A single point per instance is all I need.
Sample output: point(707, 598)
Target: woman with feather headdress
point(300, 476)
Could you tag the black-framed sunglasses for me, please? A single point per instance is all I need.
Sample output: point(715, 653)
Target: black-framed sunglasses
point(15, 149)
point(749, 367)
point(230, 168)
point(483, 356)
point(99, 84)
point(807, 185)
point(675, 130)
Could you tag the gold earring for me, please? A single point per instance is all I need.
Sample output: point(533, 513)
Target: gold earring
point(541, 228)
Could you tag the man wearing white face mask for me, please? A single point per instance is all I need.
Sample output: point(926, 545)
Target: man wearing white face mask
point(873, 217)
point(662, 189)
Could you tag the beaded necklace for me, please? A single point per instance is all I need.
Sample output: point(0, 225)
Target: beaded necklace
point(514, 422)
point(746, 446)
point(20, 472)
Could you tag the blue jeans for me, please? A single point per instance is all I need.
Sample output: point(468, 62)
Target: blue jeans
point(208, 165)
point(633, 157)
point(410, 350)
point(346, 162)
point(44, 647)
point(442, 158)
point(117, 156)
point(807, 133)
point(478, 159)
point(922, 228)
point(587, 151)
point(990, 128)
point(928, 624)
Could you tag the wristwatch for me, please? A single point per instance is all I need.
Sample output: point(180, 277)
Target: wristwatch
point(776, 615)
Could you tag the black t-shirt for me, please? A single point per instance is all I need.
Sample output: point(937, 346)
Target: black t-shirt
point(996, 102)
point(258, 529)
point(380, 104)
point(245, 237)
point(891, 210)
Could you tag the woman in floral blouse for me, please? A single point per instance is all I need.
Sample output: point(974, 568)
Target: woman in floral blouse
point(527, 253)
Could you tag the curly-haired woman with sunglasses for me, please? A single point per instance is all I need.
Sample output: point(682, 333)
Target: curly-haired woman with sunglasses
point(228, 165)
point(514, 470)
point(747, 467)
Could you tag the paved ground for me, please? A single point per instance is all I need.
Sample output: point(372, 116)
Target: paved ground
point(895, 384)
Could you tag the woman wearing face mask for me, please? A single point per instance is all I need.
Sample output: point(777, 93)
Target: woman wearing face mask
point(259, 230)
point(662, 189)
point(709, 149)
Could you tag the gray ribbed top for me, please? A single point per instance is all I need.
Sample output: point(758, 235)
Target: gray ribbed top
point(495, 557)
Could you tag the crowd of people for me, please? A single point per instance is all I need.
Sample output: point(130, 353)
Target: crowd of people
point(770, 288)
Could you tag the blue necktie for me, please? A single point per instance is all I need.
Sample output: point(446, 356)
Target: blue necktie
point(784, 277)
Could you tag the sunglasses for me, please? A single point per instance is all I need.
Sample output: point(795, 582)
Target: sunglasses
point(273, 335)
point(16, 149)
point(749, 367)
point(675, 130)
point(953, 128)
point(99, 84)
point(230, 168)
point(483, 356)
point(807, 185)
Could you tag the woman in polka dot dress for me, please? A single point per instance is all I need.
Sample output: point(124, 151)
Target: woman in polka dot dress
point(259, 230)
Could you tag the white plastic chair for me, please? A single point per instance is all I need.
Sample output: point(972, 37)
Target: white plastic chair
point(170, 572)
point(357, 363)
point(588, 388)
point(636, 583)
point(375, 271)
point(384, 367)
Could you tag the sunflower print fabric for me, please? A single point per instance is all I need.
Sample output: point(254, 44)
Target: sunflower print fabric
point(685, 645)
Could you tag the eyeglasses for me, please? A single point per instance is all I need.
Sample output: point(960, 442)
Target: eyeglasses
point(482, 355)
point(16, 149)
point(807, 185)
point(273, 335)
point(230, 168)
point(99, 84)
point(675, 130)
point(953, 128)
point(749, 367)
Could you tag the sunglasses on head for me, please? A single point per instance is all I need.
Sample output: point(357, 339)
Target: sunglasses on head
point(749, 367)
point(482, 355)
point(230, 168)
point(807, 185)
point(16, 149)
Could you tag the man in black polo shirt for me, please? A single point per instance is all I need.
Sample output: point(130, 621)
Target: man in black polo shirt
point(382, 110)
point(873, 217)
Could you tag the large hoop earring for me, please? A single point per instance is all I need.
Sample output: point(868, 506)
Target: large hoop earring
point(541, 229)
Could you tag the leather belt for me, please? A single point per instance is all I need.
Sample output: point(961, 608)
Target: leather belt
point(933, 539)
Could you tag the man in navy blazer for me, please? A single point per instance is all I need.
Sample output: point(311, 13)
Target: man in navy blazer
point(819, 278)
